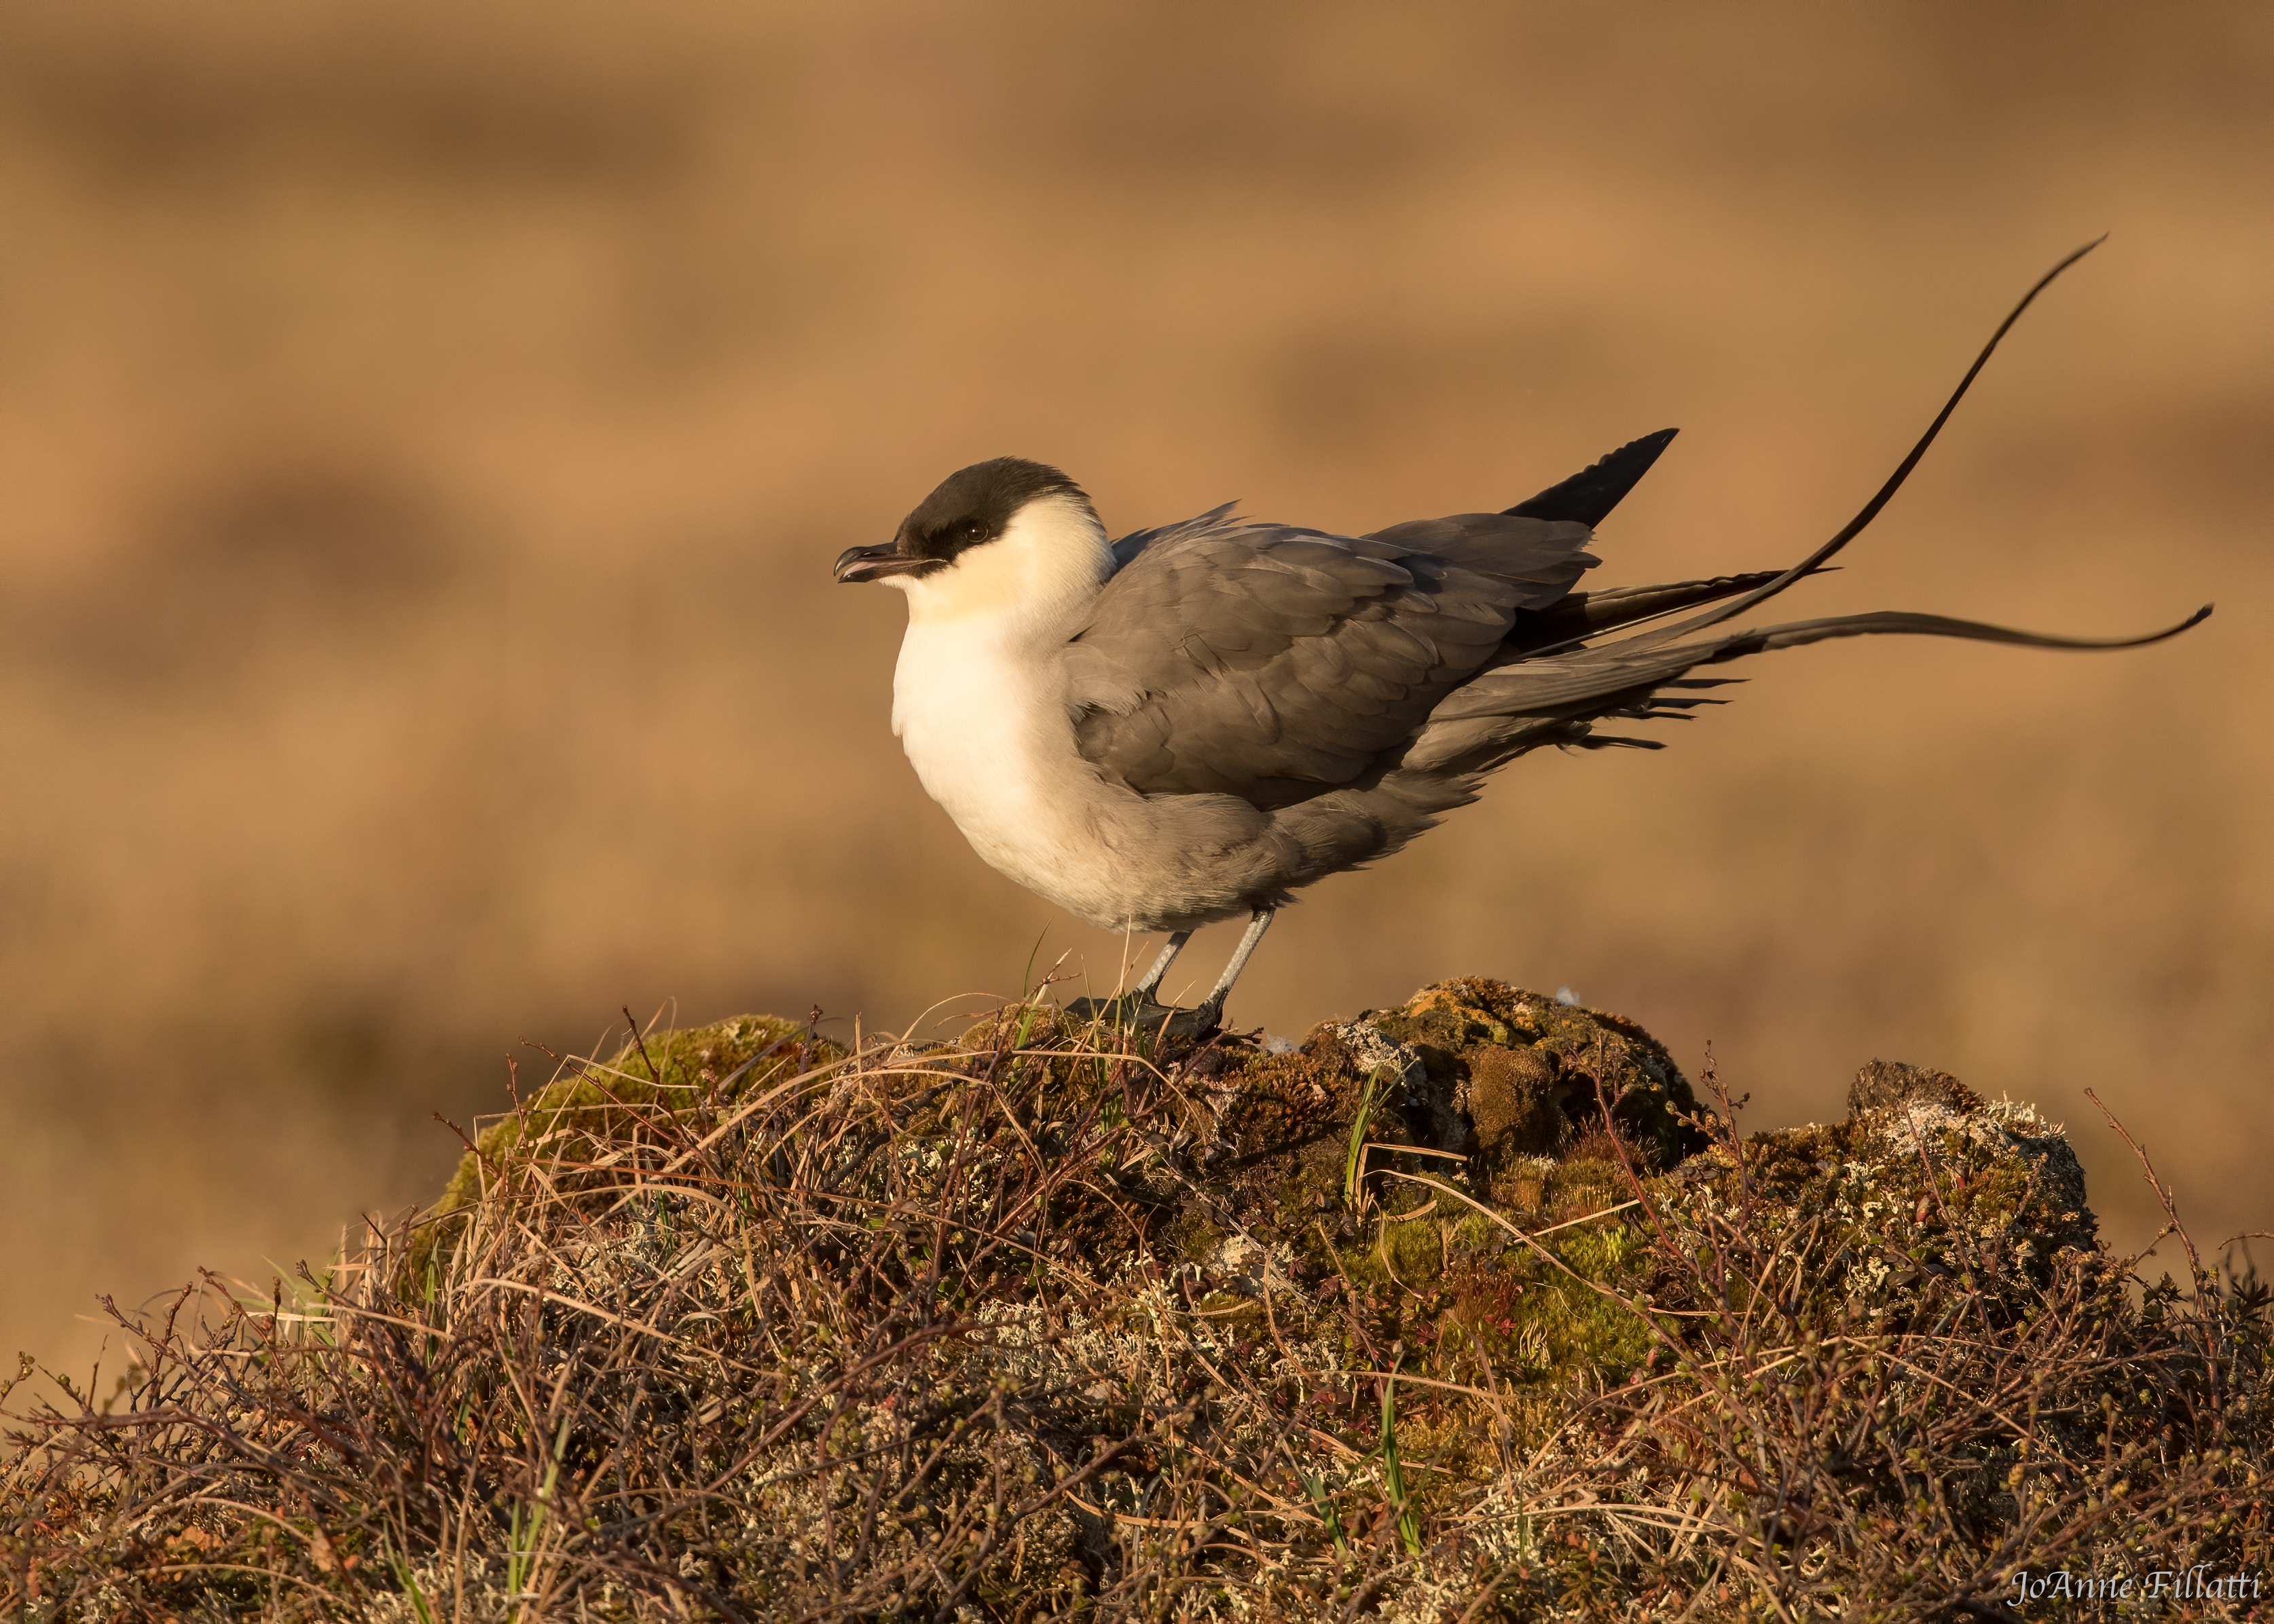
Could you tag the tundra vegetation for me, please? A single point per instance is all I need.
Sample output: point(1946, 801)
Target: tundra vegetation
point(1465, 1310)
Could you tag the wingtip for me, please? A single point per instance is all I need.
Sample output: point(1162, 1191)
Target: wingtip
point(1589, 496)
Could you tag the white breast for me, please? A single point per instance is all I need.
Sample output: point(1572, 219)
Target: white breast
point(979, 703)
point(996, 751)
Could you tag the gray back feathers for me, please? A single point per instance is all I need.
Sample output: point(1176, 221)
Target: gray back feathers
point(1270, 662)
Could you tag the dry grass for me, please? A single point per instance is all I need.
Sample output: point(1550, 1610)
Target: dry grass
point(425, 429)
point(1042, 1324)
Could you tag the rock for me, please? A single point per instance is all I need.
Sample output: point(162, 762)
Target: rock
point(1512, 1075)
point(1891, 1082)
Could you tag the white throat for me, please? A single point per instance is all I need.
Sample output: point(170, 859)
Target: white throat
point(1030, 585)
point(979, 697)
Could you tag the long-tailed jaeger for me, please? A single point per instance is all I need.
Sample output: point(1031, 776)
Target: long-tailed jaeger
point(1194, 722)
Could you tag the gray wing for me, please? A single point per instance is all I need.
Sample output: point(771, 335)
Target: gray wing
point(1268, 661)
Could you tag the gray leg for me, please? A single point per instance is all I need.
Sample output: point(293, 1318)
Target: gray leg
point(1256, 927)
point(1151, 984)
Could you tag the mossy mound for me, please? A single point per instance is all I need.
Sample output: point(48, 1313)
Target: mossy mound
point(690, 1075)
point(1520, 1076)
point(1462, 1309)
point(1932, 1196)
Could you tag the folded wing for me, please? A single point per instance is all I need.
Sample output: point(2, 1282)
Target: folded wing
point(1268, 661)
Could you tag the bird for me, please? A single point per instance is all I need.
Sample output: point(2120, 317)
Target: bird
point(1193, 722)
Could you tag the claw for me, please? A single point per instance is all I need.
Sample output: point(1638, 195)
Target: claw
point(1135, 1013)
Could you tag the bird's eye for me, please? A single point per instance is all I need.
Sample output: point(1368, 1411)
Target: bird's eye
point(972, 529)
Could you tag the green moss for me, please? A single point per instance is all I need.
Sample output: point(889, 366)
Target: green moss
point(594, 1104)
point(810, 1309)
point(1504, 1079)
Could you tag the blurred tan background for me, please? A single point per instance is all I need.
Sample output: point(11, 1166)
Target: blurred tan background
point(424, 432)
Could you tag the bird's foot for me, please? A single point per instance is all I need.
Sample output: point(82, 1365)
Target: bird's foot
point(1137, 1012)
point(1198, 1024)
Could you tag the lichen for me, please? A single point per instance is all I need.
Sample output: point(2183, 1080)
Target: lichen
point(1455, 1309)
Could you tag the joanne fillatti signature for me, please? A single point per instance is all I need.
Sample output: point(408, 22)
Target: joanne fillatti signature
point(2196, 1583)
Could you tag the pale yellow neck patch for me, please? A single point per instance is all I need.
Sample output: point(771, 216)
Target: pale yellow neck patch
point(1033, 583)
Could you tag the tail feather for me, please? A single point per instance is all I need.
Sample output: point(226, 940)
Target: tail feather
point(1870, 511)
point(1584, 615)
point(1554, 679)
point(1613, 742)
point(1511, 710)
point(1795, 634)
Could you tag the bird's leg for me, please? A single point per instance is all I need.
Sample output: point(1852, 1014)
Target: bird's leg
point(1201, 1020)
point(1145, 989)
point(1131, 1005)
point(1256, 927)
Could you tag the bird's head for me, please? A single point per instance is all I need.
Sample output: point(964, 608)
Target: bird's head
point(1000, 533)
